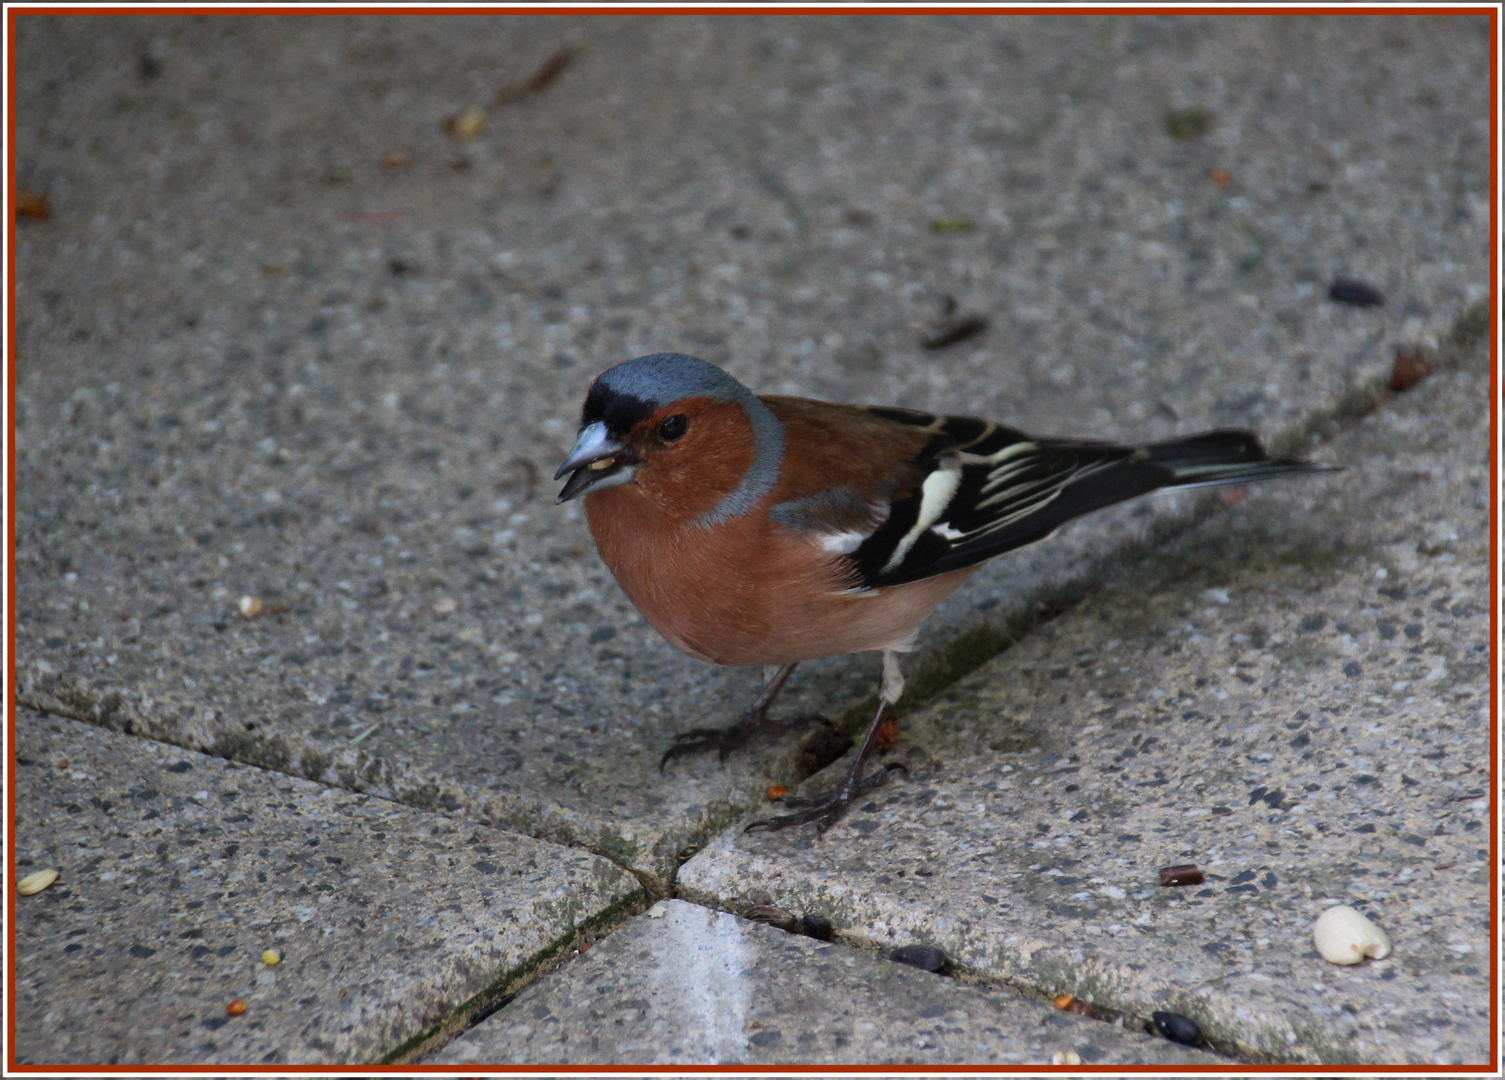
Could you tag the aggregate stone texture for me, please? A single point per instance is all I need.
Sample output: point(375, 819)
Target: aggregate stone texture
point(1294, 698)
point(178, 870)
point(284, 336)
point(686, 985)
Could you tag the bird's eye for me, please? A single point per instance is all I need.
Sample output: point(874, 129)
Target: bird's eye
point(672, 428)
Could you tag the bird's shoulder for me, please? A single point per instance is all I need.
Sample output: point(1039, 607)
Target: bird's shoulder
point(899, 494)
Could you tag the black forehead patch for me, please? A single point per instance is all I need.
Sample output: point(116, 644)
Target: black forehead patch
point(620, 411)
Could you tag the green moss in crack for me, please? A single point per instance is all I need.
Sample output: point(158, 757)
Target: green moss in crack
point(269, 753)
point(425, 796)
point(616, 847)
point(312, 764)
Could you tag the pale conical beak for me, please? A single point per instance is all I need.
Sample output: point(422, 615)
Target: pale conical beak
point(597, 460)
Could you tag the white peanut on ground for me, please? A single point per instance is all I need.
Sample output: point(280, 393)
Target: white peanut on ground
point(1344, 935)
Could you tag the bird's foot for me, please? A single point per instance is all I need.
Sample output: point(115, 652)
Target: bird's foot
point(827, 807)
point(728, 739)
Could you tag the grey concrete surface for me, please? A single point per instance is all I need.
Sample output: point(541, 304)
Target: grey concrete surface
point(178, 870)
point(1294, 697)
point(686, 985)
point(254, 360)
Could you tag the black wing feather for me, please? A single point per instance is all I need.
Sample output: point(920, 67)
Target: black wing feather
point(1001, 489)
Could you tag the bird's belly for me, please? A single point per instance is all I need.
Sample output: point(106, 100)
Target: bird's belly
point(772, 601)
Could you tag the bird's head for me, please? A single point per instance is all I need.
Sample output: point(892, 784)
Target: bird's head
point(688, 434)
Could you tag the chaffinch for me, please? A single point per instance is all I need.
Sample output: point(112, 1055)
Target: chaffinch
point(772, 530)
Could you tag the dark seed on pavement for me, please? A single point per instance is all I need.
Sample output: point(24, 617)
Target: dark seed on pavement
point(1186, 874)
point(921, 956)
point(1357, 293)
point(1177, 1028)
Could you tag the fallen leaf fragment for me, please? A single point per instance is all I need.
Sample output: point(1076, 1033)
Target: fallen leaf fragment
point(31, 206)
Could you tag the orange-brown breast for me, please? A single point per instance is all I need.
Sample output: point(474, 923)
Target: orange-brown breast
point(749, 591)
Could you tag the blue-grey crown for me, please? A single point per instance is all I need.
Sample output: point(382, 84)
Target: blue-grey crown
point(635, 389)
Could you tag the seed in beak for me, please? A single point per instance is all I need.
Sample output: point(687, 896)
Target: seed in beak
point(604, 463)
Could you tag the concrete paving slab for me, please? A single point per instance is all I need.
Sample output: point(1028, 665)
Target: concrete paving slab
point(284, 337)
point(178, 870)
point(685, 985)
point(1294, 698)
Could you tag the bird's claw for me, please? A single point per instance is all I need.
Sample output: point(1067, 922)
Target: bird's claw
point(827, 807)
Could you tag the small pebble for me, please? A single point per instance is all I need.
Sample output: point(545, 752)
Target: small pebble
point(250, 606)
point(1177, 1028)
point(236, 1007)
point(1345, 935)
point(921, 956)
point(445, 605)
point(1066, 1057)
point(271, 958)
point(1185, 874)
point(816, 926)
point(35, 883)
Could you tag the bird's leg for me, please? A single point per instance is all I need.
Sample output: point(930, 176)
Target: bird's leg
point(725, 740)
point(828, 806)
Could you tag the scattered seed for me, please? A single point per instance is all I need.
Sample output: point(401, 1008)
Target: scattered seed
point(31, 206)
point(236, 1007)
point(466, 125)
point(773, 916)
point(888, 735)
point(1177, 1028)
point(1186, 874)
point(776, 792)
point(816, 926)
point(1345, 935)
point(1066, 1057)
point(1220, 177)
point(1357, 293)
point(446, 605)
point(271, 958)
point(921, 956)
point(35, 883)
point(1410, 368)
point(658, 910)
point(950, 331)
point(250, 606)
point(1064, 1001)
